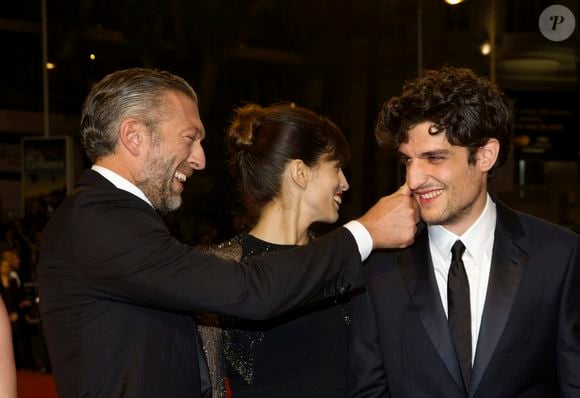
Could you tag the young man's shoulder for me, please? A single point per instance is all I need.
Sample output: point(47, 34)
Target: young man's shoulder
point(546, 228)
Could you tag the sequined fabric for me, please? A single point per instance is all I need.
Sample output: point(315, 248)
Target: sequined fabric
point(241, 346)
point(222, 342)
point(210, 329)
point(240, 342)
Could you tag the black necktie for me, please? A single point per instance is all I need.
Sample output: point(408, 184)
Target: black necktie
point(459, 311)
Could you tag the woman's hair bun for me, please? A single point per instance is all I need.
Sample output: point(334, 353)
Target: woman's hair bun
point(246, 121)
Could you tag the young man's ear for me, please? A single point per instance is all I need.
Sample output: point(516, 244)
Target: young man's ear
point(131, 135)
point(487, 154)
point(300, 173)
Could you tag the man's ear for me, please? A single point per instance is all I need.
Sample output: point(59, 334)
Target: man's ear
point(299, 172)
point(487, 154)
point(131, 135)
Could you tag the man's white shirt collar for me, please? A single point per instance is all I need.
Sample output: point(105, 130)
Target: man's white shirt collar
point(475, 239)
point(121, 183)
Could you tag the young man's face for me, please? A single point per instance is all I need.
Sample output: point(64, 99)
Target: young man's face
point(450, 191)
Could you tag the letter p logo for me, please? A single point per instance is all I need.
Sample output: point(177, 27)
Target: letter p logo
point(556, 23)
point(557, 19)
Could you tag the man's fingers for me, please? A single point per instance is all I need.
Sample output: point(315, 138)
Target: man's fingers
point(416, 212)
point(405, 190)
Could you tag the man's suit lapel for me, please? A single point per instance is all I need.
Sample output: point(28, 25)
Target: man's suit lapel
point(507, 266)
point(417, 271)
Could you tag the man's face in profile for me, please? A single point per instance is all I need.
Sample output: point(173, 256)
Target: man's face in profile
point(175, 151)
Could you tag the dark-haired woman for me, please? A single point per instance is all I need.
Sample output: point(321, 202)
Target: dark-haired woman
point(289, 164)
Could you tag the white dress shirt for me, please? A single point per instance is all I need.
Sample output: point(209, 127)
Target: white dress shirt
point(359, 232)
point(121, 183)
point(478, 241)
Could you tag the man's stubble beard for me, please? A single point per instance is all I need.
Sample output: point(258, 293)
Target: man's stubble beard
point(454, 212)
point(156, 180)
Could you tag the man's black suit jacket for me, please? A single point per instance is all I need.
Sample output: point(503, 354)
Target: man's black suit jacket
point(529, 341)
point(117, 292)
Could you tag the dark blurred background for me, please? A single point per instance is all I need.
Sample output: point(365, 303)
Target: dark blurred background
point(342, 59)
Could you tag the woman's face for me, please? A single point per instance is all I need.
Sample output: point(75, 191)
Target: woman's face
point(323, 195)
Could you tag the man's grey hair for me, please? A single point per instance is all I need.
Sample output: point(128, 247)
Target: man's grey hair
point(135, 92)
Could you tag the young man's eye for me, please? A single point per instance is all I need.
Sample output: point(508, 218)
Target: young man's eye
point(436, 159)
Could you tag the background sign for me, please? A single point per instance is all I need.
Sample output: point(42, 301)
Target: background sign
point(46, 172)
point(545, 126)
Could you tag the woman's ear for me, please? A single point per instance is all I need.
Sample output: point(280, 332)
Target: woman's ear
point(299, 172)
point(130, 135)
point(487, 154)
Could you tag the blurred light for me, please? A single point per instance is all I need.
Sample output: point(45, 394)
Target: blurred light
point(454, 2)
point(485, 47)
point(530, 64)
point(50, 66)
point(292, 105)
point(92, 57)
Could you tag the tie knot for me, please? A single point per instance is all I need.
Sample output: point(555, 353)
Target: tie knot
point(457, 250)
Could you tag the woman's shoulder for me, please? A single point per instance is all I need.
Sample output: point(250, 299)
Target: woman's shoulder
point(230, 249)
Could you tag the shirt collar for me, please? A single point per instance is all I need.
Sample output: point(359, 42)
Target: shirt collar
point(475, 239)
point(121, 182)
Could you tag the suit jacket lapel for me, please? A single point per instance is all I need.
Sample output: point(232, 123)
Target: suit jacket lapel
point(507, 265)
point(416, 270)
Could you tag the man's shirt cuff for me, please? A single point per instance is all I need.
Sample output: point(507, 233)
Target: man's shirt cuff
point(362, 237)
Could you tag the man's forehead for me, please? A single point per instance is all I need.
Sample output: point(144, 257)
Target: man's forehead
point(423, 137)
point(186, 108)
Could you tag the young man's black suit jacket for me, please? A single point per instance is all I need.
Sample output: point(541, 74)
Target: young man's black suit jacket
point(529, 341)
point(117, 292)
